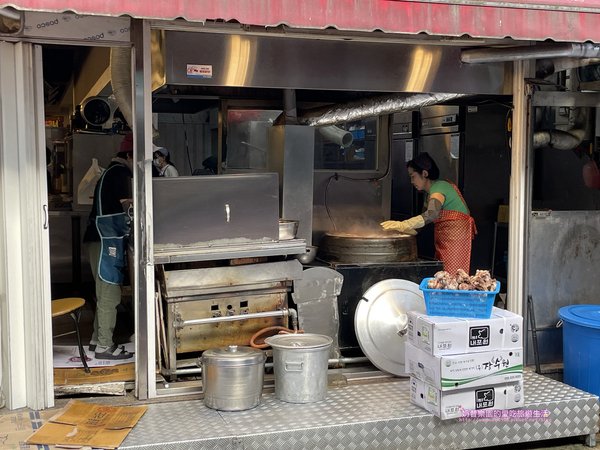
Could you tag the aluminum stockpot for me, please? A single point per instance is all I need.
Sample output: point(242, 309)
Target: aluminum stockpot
point(300, 363)
point(232, 377)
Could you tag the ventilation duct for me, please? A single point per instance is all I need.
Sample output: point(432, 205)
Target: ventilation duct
point(120, 73)
point(506, 54)
point(362, 109)
point(336, 135)
point(565, 139)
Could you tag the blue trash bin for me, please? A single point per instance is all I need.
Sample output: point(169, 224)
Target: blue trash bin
point(581, 346)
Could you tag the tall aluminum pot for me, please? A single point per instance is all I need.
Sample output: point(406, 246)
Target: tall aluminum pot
point(232, 377)
point(300, 363)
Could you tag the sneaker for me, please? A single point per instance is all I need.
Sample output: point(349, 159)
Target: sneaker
point(114, 352)
point(92, 346)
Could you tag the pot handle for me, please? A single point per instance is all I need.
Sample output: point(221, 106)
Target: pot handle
point(293, 366)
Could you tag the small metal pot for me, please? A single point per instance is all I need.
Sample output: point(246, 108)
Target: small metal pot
point(287, 229)
point(232, 377)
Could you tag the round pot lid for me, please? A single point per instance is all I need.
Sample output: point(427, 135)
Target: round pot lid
point(233, 355)
point(299, 341)
point(381, 322)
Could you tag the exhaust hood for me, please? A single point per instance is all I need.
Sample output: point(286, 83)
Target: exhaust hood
point(248, 61)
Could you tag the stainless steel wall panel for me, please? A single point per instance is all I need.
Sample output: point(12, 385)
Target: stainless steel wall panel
point(219, 209)
point(291, 155)
point(273, 62)
point(564, 256)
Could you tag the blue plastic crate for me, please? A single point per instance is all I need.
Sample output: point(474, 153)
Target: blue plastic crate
point(455, 303)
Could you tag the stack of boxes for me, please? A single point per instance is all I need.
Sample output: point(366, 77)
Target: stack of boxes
point(461, 365)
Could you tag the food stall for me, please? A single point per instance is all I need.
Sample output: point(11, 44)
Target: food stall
point(192, 274)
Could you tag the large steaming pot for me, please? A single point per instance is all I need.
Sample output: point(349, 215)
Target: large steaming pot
point(369, 248)
point(232, 377)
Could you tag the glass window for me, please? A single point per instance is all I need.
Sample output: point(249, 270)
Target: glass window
point(347, 146)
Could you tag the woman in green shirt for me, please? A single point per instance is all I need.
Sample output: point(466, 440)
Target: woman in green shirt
point(454, 228)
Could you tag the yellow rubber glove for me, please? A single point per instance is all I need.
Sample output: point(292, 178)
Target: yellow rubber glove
point(405, 226)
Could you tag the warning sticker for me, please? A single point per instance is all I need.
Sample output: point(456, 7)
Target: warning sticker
point(199, 71)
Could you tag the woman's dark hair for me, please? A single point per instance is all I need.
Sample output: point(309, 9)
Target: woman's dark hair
point(424, 162)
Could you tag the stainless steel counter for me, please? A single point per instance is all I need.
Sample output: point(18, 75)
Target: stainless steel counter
point(368, 416)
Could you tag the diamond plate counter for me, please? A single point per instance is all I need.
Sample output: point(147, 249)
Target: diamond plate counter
point(368, 416)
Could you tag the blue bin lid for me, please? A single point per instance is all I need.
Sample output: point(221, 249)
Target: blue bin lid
point(584, 315)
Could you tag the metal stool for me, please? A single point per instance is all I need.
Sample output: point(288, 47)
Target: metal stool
point(72, 306)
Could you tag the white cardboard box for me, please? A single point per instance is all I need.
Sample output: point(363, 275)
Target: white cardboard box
point(466, 402)
point(451, 335)
point(466, 370)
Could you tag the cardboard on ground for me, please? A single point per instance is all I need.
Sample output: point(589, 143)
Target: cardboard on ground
point(88, 424)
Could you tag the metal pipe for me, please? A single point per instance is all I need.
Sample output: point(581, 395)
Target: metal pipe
point(336, 135)
point(10, 13)
point(258, 315)
point(293, 314)
point(289, 107)
point(563, 50)
point(331, 362)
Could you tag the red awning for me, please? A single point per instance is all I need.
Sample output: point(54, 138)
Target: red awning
point(560, 20)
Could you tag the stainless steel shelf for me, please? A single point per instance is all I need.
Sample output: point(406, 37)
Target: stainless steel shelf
point(165, 255)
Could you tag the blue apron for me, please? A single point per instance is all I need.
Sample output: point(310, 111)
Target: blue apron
point(113, 230)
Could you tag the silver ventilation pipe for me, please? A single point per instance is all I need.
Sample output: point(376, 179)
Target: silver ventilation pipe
point(120, 74)
point(506, 54)
point(558, 139)
point(336, 135)
point(362, 109)
point(565, 139)
point(10, 13)
point(289, 107)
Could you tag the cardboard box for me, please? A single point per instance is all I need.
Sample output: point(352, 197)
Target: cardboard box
point(122, 372)
point(82, 424)
point(452, 335)
point(466, 370)
point(463, 402)
point(16, 427)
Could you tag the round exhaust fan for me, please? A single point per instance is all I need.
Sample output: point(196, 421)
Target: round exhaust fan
point(98, 112)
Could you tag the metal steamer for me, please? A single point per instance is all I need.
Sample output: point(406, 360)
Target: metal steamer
point(359, 249)
point(364, 260)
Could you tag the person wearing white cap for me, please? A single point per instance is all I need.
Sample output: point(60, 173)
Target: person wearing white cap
point(163, 163)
